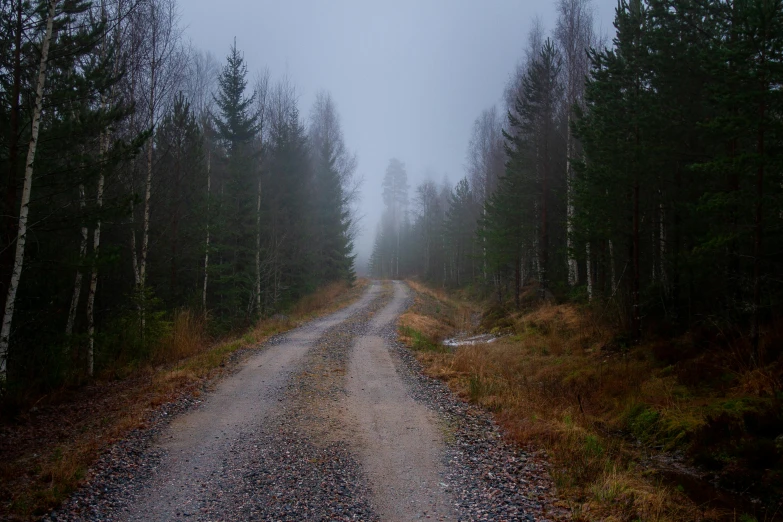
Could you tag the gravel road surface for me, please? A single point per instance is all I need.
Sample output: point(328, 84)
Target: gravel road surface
point(331, 421)
point(399, 441)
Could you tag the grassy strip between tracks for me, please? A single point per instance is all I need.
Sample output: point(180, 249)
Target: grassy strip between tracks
point(47, 450)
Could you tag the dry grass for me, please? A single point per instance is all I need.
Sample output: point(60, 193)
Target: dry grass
point(46, 454)
point(543, 392)
point(187, 337)
point(323, 299)
point(557, 383)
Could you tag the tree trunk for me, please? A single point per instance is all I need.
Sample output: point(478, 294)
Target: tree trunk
point(175, 224)
point(134, 249)
point(662, 245)
point(573, 269)
point(589, 274)
point(206, 243)
point(636, 322)
point(258, 248)
point(21, 237)
point(758, 230)
point(96, 242)
point(77, 285)
point(517, 281)
point(676, 252)
point(145, 232)
point(612, 269)
point(544, 247)
point(9, 223)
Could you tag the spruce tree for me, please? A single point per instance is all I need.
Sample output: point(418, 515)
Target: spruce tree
point(235, 224)
point(179, 208)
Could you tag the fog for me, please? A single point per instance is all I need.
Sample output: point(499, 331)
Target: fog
point(409, 77)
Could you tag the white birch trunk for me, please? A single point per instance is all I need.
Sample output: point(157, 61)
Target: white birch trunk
point(206, 243)
point(96, 242)
point(77, 285)
point(258, 248)
point(145, 231)
point(145, 234)
point(21, 238)
point(573, 269)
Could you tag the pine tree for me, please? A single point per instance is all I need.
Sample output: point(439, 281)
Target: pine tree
point(235, 228)
point(395, 199)
point(460, 230)
point(616, 150)
point(332, 170)
point(179, 206)
point(291, 209)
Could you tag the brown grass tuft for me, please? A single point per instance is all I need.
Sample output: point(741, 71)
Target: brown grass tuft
point(321, 299)
point(187, 337)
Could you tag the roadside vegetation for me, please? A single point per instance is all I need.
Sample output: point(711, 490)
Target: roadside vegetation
point(633, 432)
point(155, 197)
point(618, 227)
point(49, 444)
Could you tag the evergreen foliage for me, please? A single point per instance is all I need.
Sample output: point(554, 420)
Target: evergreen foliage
point(640, 188)
point(234, 206)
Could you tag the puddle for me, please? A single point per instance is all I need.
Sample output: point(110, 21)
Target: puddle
point(463, 340)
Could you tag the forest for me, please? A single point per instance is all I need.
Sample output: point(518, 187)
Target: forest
point(586, 325)
point(150, 188)
point(617, 241)
point(641, 174)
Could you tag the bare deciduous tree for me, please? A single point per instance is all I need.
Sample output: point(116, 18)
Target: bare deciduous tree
point(575, 35)
point(201, 81)
point(163, 60)
point(261, 89)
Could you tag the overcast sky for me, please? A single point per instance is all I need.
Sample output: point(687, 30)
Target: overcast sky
point(409, 77)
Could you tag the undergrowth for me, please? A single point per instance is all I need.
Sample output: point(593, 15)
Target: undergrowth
point(607, 412)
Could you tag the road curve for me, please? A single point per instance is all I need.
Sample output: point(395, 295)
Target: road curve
point(196, 443)
point(399, 441)
point(331, 421)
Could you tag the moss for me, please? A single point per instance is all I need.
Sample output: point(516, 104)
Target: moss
point(642, 421)
point(420, 342)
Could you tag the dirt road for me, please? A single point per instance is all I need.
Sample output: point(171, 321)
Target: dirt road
point(399, 439)
point(331, 421)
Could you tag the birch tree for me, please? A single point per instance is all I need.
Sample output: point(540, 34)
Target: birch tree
point(163, 60)
point(575, 36)
point(262, 115)
point(203, 70)
point(21, 237)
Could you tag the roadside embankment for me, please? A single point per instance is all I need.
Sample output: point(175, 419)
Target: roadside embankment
point(46, 450)
point(660, 431)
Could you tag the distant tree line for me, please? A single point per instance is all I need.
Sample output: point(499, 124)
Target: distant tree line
point(140, 178)
point(644, 174)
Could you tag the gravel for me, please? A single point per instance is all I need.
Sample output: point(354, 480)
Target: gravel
point(490, 478)
point(298, 467)
point(296, 462)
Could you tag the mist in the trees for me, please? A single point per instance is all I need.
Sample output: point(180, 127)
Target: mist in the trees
point(159, 161)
